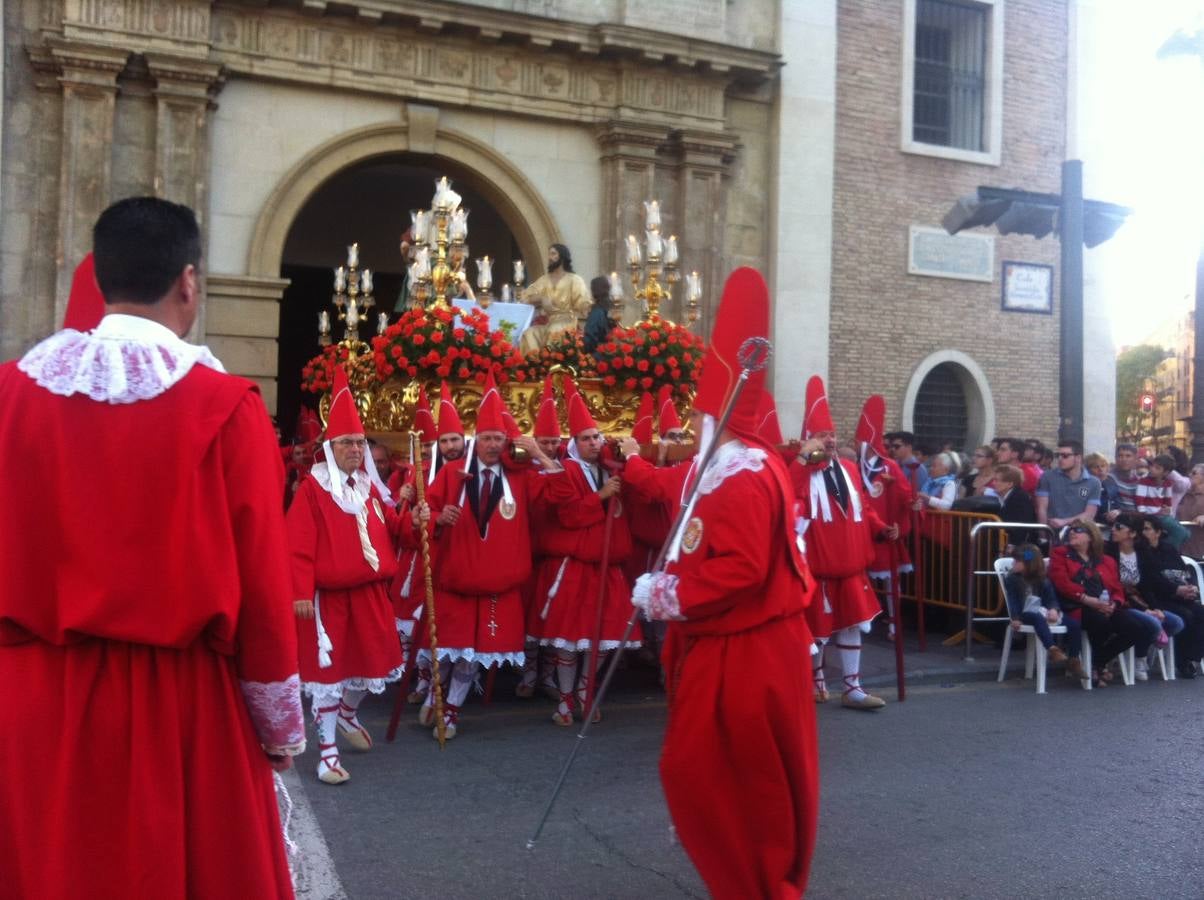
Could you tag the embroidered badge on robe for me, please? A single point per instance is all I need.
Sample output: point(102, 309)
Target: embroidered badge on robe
point(876, 489)
point(508, 508)
point(692, 537)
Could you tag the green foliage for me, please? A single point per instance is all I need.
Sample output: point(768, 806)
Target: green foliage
point(1133, 367)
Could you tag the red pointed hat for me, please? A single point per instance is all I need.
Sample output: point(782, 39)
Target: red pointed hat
point(743, 314)
point(424, 422)
point(85, 305)
point(816, 416)
point(768, 428)
point(489, 413)
point(547, 422)
point(642, 429)
point(449, 419)
point(343, 418)
point(309, 426)
point(667, 417)
point(512, 430)
point(579, 418)
point(871, 424)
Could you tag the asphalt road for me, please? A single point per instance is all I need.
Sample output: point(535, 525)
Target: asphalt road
point(971, 790)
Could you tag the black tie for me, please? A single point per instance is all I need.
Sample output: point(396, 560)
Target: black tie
point(834, 487)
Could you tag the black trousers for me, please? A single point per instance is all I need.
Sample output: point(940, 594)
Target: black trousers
point(1189, 643)
point(1112, 635)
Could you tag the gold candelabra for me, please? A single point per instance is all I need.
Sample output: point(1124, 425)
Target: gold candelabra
point(657, 257)
point(352, 301)
point(440, 249)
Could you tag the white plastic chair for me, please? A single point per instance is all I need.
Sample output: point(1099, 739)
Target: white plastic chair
point(1035, 654)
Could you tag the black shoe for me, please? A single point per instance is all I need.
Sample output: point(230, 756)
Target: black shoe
point(1187, 670)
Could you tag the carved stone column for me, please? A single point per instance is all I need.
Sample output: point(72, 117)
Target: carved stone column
point(184, 91)
point(703, 160)
point(630, 156)
point(242, 325)
point(88, 75)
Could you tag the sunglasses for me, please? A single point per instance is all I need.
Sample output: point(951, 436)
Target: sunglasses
point(1079, 529)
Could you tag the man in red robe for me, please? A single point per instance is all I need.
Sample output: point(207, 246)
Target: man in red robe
point(839, 528)
point(739, 767)
point(341, 529)
point(889, 493)
point(482, 543)
point(566, 613)
point(146, 642)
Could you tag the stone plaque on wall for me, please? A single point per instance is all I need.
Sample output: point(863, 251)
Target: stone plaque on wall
point(935, 252)
point(698, 18)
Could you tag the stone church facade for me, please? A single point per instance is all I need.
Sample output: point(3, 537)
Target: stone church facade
point(774, 133)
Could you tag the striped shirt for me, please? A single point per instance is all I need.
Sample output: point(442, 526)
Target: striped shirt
point(1153, 498)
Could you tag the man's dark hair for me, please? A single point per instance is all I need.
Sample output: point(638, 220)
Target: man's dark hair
point(141, 245)
point(566, 258)
point(599, 288)
point(1132, 448)
point(1074, 446)
point(905, 437)
point(1165, 461)
point(1014, 444)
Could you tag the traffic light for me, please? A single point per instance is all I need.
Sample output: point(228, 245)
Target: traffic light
point(1147, 403)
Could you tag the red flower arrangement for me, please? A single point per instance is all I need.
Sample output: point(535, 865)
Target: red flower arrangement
point(317, 375)
point(433, 343)
point(648, 355)
point(567, 349)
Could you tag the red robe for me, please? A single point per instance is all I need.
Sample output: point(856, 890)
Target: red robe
point(353, 600)
point(130, 611)
point(564, 608)
point(891, 497)
point(650, 509)
point(479, 581)
point(839, 551)
point(740, 764)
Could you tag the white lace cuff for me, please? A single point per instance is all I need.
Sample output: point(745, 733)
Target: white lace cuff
point(656, 594)
point(275, 708)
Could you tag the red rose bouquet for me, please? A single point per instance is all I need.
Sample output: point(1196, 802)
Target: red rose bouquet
point(648, 355)
point(317, 375)
point(566, 349)
point(428, 344)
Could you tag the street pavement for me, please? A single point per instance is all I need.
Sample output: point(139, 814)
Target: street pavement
point(969, 789)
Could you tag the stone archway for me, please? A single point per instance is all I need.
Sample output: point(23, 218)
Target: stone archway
point(494, 177)
point(975, 390)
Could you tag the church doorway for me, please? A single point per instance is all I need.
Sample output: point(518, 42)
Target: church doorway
point(369, 203)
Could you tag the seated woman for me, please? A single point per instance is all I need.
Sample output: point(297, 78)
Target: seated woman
point(941, 490)
point(1032, 601)
point(1088, 584)
point(1170, 586)
point(1126, 548)
point(1014, 504)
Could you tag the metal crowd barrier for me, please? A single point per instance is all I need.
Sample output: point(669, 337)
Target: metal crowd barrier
point(979, 561)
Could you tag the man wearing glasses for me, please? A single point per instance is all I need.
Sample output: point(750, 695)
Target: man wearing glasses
point(1067, 493)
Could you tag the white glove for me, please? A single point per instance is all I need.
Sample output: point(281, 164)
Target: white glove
point(656, 594)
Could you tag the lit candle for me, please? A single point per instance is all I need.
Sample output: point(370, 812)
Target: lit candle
point(323, 322)
point(633, 250)
point(421, 227)
point(616, 286)
point(382, 323)
point(340, 280)
point(652, 215)
point(353, 256)
point(484, 273)
point(423, 263)
point(520, 272)
point(353, 314)
point(458, 230)
point(441, 191)
point(693, 287)
point(366, 281)
point(671, 250)
point(654, 242)
point(506, 295)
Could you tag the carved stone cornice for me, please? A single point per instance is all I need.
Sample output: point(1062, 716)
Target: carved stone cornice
point(83, 65)
point(179, 27)
point(184, 78)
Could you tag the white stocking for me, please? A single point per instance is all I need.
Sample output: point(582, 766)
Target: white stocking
point(848, 646)
point(817, 665)
point(461, 680)
point(566, 674)
point(325, 718)
point(445, 668)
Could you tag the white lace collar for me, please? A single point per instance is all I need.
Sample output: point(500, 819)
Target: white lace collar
point(731, 457)
point(123, 360)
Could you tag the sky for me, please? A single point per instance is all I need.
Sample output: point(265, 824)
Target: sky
point(1141, 139)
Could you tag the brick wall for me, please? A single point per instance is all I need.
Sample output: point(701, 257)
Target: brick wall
point(886, 322)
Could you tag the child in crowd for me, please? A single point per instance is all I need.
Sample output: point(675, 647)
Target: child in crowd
point(1033, 601)
point(1154, 490)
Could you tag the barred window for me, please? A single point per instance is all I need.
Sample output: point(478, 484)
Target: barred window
point(950, 77)
point(941, 413)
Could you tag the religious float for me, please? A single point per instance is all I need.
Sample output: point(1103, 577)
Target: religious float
point(451, 333)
